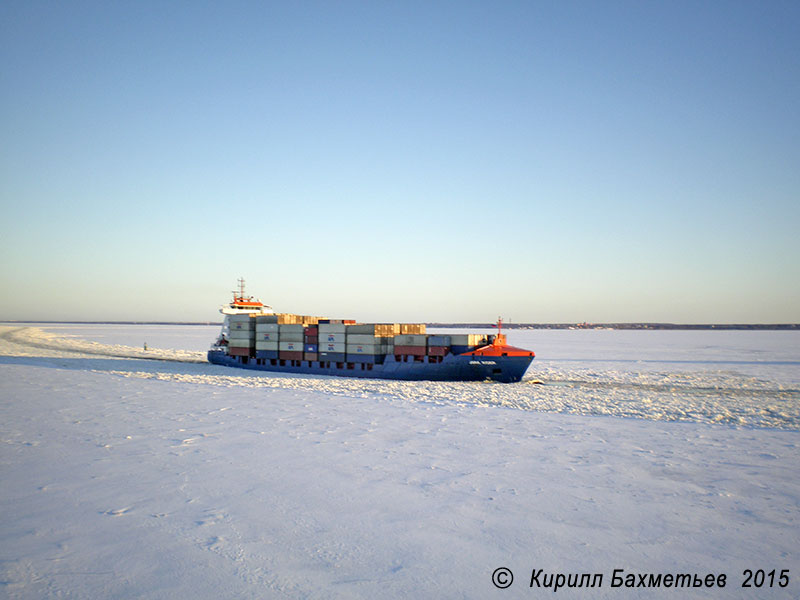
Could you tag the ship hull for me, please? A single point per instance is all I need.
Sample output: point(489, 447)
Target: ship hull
point(462, 367)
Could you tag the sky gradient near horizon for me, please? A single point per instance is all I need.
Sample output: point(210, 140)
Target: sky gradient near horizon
point(401, 161)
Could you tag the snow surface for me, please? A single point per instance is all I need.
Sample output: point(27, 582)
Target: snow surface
point(129, 477)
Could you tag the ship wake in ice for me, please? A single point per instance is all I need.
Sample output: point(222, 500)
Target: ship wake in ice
point(708, 395)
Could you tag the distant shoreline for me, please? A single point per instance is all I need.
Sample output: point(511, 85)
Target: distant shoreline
point(619, 326)
point(635, 326)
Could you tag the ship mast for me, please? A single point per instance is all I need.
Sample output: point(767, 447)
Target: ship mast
point(500, 338)
point(240, 298)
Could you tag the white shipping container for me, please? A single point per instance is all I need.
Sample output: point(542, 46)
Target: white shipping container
point(242, 325)
point(332, 328)
point(365, 349)
point(240, 343)
point(290, 336)
point(290, 346)
point(267, 327)
point(239, 318)
point(267, 336)
point(332, 338)
point(332, 347)
point(362, 338)
point(411, 340)
point(290, 328)
point(266, 345)
point(238, 334)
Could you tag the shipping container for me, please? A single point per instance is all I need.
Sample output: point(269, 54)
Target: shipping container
point(238, 351)
point(290, 346)
point(310, 347)
point(266, 353)
point(289, 318)
point(411, 340)
point(332, 356)
point(334, 347)
point(439, 340)
point(412, 350)
point(438, 350)
point(266, 320)
point(290, 354)
point(325, 328)
point(238, 334)
point(312, 330)
point(239, 318)
point(306, 320)
point(311, 339)
point(365, 358)
point(267, 346)
point(267, 327)
point(240, 343)
point(365, 349)
point(291, 337)
point(267, 336)
point(291, 328)
point(332, 337)
point(461, 349)
point(412, 328)
point(248, 325)
point(310, 356)
point(363, 338)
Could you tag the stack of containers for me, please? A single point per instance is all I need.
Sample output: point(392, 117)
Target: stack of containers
point(242, 335)
point(267, 332)
point(311, 343)
point(438, 345)
point(331, 340)
point(370, 342)
point(290, 341)
point(411, 344)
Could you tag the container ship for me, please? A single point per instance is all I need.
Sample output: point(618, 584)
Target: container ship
point(255, 337)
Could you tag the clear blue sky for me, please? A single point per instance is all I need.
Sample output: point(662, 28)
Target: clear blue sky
point(545, 161)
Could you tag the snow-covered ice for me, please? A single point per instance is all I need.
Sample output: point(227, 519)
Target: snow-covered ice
point(128, 477)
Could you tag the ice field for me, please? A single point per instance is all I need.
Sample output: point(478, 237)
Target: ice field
point(152, 474)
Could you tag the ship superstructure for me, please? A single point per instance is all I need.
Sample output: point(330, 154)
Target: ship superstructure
point(239, 305)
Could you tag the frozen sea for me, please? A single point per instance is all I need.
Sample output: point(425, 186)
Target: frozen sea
point(151, 474)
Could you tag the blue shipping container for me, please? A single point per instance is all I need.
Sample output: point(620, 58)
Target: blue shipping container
point(332, 356)
point(462, 349)
point(266, 354)
point(365, 358)
point(311, 348)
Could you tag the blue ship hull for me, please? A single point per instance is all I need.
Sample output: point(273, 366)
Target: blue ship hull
point(463, 367)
